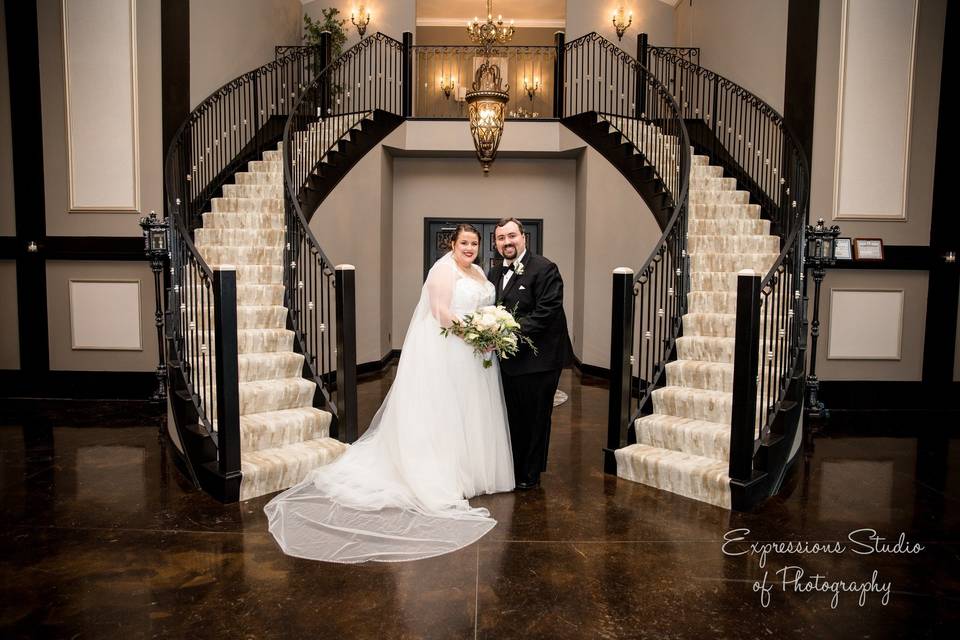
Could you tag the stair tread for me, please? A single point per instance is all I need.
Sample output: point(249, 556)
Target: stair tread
point(272, 418)
point(703, 363)
point(686, 435)
point(269, 470)
point(305, 447)
point(272, 429)
point(670, 456)
point(722, 396)
point(680, 420)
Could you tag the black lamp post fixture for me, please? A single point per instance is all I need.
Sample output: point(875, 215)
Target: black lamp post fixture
point(821, 253)
point(155, 245)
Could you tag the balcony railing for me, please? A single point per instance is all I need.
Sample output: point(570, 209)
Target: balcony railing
point(444, 74)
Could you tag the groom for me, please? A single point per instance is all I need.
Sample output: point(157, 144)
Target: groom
point(532, 284)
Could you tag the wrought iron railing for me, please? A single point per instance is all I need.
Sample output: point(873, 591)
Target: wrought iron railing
point(648, 304)
point(691, 54)
point(750, 139)
point(235, 124)
point(320, 295)
point(737, 129)
point(444, 74)
point(771, 330)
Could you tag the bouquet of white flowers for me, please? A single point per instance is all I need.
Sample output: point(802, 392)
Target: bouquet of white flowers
point(490, 328)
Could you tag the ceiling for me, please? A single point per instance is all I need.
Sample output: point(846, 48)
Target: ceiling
point(529, 13)
point(547, 13)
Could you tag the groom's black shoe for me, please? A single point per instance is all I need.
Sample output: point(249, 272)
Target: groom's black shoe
point(528, 483)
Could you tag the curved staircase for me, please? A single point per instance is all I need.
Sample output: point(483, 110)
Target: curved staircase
point(259, 399)
point(282, 435)
point(684, 445)
point(705, 388)
point(707, 338)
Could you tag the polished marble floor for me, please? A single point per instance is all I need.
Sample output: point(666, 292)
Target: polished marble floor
point(102, 538)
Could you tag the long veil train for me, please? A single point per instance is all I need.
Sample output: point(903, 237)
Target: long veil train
point(398, 492)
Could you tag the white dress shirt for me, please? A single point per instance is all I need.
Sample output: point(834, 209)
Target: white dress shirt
point(509, 272)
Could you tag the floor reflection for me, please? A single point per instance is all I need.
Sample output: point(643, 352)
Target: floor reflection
point(100, 533)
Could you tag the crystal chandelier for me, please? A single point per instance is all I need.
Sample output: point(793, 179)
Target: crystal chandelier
point(486, 34)
point(487, 100)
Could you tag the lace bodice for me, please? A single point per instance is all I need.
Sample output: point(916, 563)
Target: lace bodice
point(469, 294)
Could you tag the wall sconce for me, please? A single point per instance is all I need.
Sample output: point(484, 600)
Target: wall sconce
point(360, 20)
point(531, 87)
point(622, 22)
point(447, 85)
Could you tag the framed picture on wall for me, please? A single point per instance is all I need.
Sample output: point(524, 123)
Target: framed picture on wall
point(844, 249)
point(867, 249)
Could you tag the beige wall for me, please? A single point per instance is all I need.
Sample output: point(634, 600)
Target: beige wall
point(9, 336)
point(618, 230)
point(61, 222)
point(62, 354)
point(455, 188)
point(7, 220)
point(594, 221)
point(230, 37)
point(910, 364)
point(59, 219)
point(391, 17)
point(649, 16)
point(348, 226)
point(915, 230)
point(744, 40)
point(386, 251)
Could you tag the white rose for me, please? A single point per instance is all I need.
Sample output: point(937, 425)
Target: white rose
point(486, 322)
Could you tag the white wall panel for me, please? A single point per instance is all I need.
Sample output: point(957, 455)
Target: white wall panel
point(100, 53)
point(865, 324)
point(105, 315)
point(875, 100)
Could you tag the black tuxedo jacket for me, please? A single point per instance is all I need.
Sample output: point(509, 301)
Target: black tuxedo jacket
point(538, 296)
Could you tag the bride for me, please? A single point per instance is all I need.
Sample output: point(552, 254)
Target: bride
point(400, 492)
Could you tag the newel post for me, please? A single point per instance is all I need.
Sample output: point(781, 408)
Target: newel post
point(407, 75)
point(745, 367)
point(346, 292)
point(621, 365)
point(227, 371)
point(642, 58)
point(559, 69)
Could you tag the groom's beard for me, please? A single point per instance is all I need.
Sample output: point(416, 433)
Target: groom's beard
point(509, 252)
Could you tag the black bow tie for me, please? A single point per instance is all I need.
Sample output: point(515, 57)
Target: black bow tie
point(511, 267)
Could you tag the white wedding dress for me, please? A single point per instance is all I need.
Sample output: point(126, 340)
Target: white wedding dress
point(400, 492)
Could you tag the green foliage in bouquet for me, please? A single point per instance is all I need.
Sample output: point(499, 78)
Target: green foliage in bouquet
point(491, 328)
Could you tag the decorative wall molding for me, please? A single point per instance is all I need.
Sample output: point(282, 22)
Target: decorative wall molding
point(93, 327)
point(900, 214)
point(850, 338)
point(117, 152)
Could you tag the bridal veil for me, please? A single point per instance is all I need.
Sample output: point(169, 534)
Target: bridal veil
point(398, 492)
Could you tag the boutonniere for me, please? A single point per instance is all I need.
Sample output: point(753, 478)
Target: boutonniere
point(519, 268)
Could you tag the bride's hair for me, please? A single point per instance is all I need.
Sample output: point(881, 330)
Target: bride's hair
point(462, 228)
